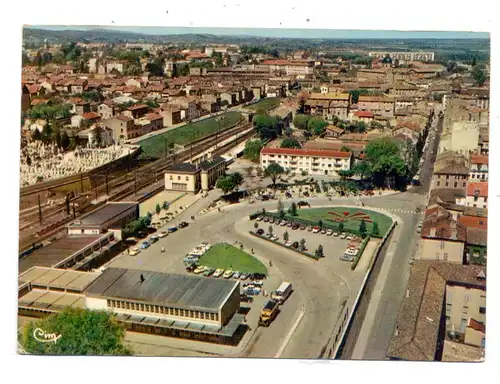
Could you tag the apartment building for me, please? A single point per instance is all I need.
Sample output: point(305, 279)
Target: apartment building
point(478, 168)
point(476, 195)
point(314, 162)
point(123, 128)
point(450, 176)
point(329, 104)
point(379, 105)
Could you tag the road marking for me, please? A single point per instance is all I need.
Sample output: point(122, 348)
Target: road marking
point(289, 336)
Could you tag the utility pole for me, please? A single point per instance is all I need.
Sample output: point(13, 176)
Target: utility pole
point(74, 214)
point(107, 187)
point(81, 182)
point(40, 218)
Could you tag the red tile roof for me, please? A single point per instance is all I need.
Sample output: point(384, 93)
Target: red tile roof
point(481, 188)
point(474, 221)
point(363, 113)
point(137, 106)
point(91, 116)
point(476, 325)
point(305, 152)
point(479, 159)
point(124, 118)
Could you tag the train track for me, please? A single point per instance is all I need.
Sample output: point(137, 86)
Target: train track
point(128, 184)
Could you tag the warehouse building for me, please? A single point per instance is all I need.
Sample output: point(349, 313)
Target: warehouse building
point(112, 216)
point(181, 306)
point(76, 252)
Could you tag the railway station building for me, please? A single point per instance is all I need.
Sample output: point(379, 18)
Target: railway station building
point(180, 306)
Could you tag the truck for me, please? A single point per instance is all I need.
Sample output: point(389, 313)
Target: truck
point(268, 313)
point(282, 293)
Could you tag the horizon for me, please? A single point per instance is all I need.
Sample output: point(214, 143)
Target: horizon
point(286, 33)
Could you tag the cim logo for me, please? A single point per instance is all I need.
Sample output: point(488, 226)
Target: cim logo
point(43, 337)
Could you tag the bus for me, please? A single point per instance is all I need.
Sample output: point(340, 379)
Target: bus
point(282, 293)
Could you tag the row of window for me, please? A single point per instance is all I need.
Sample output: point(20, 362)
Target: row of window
point(295, 158)
point(179, 177)
point(158, 309)
point(465, 309)
point(455, 184)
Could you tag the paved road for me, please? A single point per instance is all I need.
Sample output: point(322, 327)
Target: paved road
point(381, 315)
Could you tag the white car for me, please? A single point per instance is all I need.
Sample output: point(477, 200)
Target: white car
point(335, 234)
point(350, 237)
point(228, 274)
point(289, 243)
point(134, 251)
point(199, 270)
point(329, 232)
point(163, 234)
point(218, 273)
point(275, 238)
point(343, 235)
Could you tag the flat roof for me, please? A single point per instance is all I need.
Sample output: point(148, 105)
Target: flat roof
point(183, 291)
point(103, 214)
point(58, 278)
point(50, 300)
point(56, 252)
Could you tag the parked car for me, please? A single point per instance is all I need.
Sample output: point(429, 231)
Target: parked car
point(153, 239)
point(260, 218)
point(246, 298)
point(295, 244)
point(208, 271)
point(218, 273)
point(163, 234)
point(237, 275)
point(346, 257)
point(316, 229)
point(228, 274)
point(289, 243)
point(302, 227)
point(190, 267)
point(343, 235)
point(183, 224)
point(275, 238)
point(301, 204)
point(329, 232)
point(283, 223)
point(141, 235)
point(323, 231)
point(145, 245)
point(271, 220)
point(244, 276)
point(172, 229)
point(310, 228)
point(190, 260)
point(134, 252)
point(199, 270)
point(266, 219)
point(350, 237)
point(335, 234)
point(295, 226)
point(289, 224)
point(260, 231)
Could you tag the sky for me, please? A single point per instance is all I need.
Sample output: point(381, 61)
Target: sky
point(287, 33)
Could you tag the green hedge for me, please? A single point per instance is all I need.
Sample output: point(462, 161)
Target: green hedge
point(360, 253)
point(311, 256)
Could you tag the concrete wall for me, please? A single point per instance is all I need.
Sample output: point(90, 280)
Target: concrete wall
point(231, 306)
point(96, 303)
point(435, 249)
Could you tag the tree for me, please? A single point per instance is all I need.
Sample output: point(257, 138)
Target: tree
point(249, 170)
point(375, 229)
point(303, 96)
point(320, 223)
point(158, 208)
point(300, 121)
point(286, 236)
point(341, 227)
point(98, 138)
point(82, 332)
point(288, 132)
point(237, 179)
point(345, 149)
point(292, 210)
point(225, 183)
point(270, 230)
point(317, 125)
point(266, 126)
point(362, 228)
point(345, 174)
point(290, 143)
point(281, 209)
point(319, 252)
point(36, 135)
point(256, 224)
point(252, 150)
point(65, 140)
point(474, 62)
point(273, 171)
point(478, 75)
point(362, 169)
point(302, 244)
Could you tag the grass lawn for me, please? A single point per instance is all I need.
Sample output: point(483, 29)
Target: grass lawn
point(226, 256)
point(155, 146)
point(266, 104)
point(350, 221)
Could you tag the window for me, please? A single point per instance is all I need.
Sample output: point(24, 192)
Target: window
point(178, 177)
point(448, 307)
point(171, 177)
point(445, 257)
point(438, 183)
point(465, 309)
point(187, 178)
point(437, 255)
point(455, 184)
point(441, 246)
point(482, 310)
